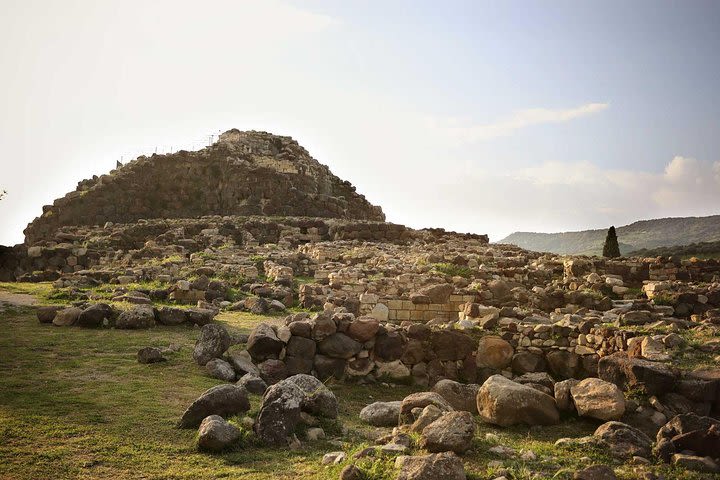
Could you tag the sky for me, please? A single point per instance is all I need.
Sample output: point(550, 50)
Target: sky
point(475, 116)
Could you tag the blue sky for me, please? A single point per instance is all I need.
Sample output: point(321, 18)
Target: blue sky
point(488, 117)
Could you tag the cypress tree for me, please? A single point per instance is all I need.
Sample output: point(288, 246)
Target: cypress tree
point(611, 249)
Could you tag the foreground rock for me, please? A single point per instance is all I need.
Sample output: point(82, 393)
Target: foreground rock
point(214, 340)
point(503, 402)
point(216, 434)
point(436, 466)
point(139, 317)
point(623, 441)
point(222, 400)
point(66, 317)
point(381, 414)
point(150, 355)
point(283, 403)
point(598, 399)
point(453, 431)
point(459, 395)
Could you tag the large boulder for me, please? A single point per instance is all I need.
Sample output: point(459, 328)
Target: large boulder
point(563, 364)
point(460, 396)
point(598, 399)
point(623, 441)
point(451, 346)
point(66, 317)
point(220, 369)
point(494, 352)
point(389, 346)
point(223, 400)
point(263, 343)
point(439, 293)
point(339, 345)
point(136, 318)
point(95, 315)
point(200, 316)
point(436, 466)
point(171, 316)
point(216, 434)
point(453, 431)
point(627, 373)
point(363, 329)
point(317, 399)
point(381, 414)
point(213, 341)
point(252, 383)
point(689, 432)
point(46, 314)
point(279, 414)
point(503, 402)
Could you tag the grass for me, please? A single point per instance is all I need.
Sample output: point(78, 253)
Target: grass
point(74, 403)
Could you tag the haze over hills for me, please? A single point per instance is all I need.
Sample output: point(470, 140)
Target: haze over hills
point(644, 234)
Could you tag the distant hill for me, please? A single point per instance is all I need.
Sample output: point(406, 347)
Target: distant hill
point(699, 250)
point(645, 234)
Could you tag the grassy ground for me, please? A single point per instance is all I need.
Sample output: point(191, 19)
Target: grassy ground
point(74, 403)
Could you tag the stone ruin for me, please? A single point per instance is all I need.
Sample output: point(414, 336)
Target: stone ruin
point(253, 223)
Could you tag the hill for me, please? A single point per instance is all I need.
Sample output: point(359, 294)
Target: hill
point(243, 173)
point(645, 234)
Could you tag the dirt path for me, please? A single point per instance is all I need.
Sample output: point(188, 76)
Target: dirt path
point(17, 299)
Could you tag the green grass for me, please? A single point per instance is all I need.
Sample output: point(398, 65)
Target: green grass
point(452, 270)
point(74, 403)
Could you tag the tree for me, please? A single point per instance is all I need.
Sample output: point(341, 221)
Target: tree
point(611, 249)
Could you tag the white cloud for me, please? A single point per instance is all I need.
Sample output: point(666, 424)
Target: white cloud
point(454, 128)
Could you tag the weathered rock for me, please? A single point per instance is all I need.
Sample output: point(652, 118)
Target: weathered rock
point(389, 346)
point(279, 414)
point(460, 396)
point(363, 329)
point(453, 431)
point(598, 399)
point(450, 345)
point(317, 398)
point(381, 414)
point(263, 343)
point(272, 371)
point(216, 434)
point(136, 318)
point(494, 352)
point(439, 293)
point(339, 345)
point(421, 400)
point(213, 341)
point(242, 363)
point(563, 364)
point(252, 383)
point(46, 314)
point(623, 441)
point(327, 367)
point(595, 472)
point(222, 400)
point(301, 347)
point(323, 326)
point(503, 402)
point(66, 317)
point(171, 316)
point(625, 372)
point(696, 463)
point(445, 466)
point(428, 415)
point(220, 369)
point(563, 398)
point(150, 355)
point(95, 315)
point(526, 362)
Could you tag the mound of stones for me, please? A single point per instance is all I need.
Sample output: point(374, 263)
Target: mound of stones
point(100, 315)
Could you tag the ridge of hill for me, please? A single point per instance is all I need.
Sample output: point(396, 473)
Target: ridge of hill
point(644, 234)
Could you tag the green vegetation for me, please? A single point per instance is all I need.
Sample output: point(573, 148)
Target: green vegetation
point(452, 270)
point(611, 249)
point(701, 250)
point(74, 403)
